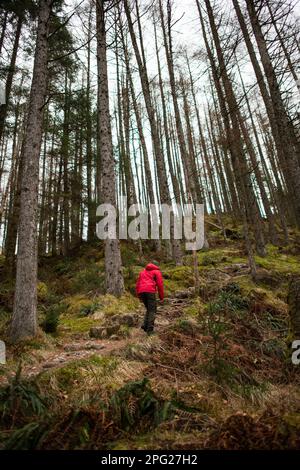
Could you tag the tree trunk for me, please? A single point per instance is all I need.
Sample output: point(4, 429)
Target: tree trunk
point(4, 24)
point(284, 135)
point(89, 154)
point(294, 306)
point(161, 168)
point(24, 320)
point(113, 263)
point(10, 76)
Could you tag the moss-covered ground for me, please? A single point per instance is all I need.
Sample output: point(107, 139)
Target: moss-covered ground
point(217, 374)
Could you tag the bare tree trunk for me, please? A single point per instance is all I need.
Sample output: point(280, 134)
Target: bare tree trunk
point(221, 137)
point(188, 164)
point(275, 197)
point(76, 188)
point(232, 130)
point(4, 24)
point(65, 156)
point(221, 170)
point(284, 47)
point(56, 200)
point(89, 154)
point(294, 306)
point(284, 136)
point(161, 169)
point(41, 240)
point(131, 195)
point(14, 204)
point(269, 214)
point(12, 65)
point(113, 263)
point(175, 183)
point(24, 319)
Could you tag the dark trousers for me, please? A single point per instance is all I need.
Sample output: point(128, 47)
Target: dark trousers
point(149, 301)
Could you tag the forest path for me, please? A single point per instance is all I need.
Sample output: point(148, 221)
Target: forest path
point(83, 348)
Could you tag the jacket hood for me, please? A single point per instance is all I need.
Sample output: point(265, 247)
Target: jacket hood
point(151, 267)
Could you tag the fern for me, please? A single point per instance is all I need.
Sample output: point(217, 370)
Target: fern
point(27, 437)
point(20, 397)
point(136, 403)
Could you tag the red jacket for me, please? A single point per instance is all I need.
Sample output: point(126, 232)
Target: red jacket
point(149, 280)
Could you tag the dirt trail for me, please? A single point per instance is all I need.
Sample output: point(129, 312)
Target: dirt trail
point(85, 347)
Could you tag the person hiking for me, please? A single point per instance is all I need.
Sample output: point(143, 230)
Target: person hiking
point(149, 281)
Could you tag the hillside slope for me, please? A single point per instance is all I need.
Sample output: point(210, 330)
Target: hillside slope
point(217, 373)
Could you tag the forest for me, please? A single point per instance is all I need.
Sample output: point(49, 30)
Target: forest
point(141, 105)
